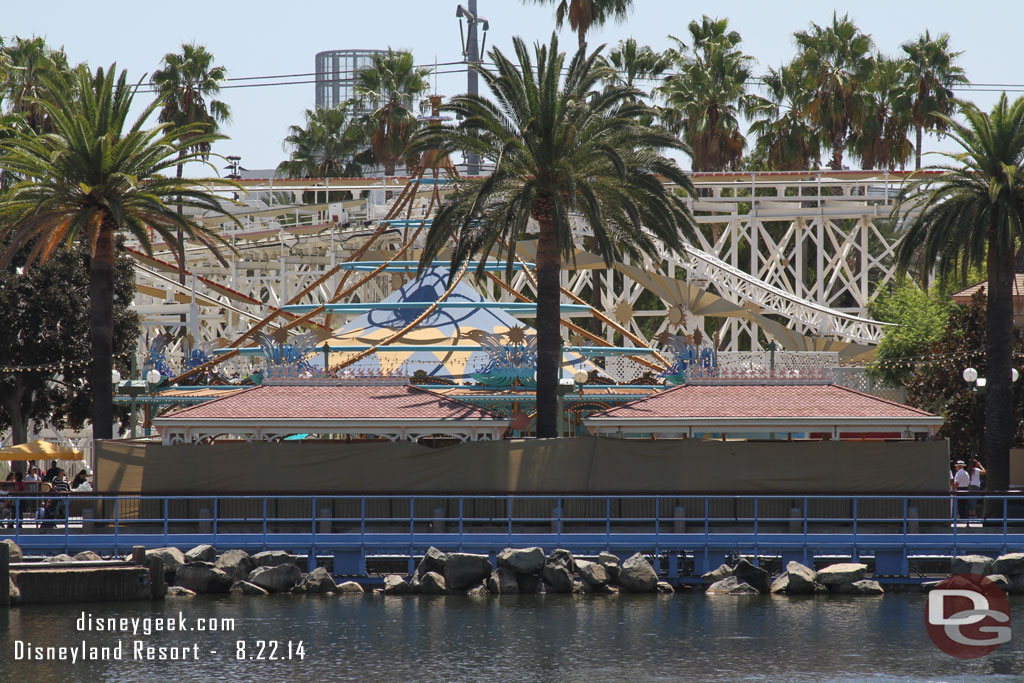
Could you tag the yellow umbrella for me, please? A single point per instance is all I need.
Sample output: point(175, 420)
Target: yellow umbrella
point(40, 450)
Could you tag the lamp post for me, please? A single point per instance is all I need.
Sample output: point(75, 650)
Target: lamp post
point(153, 378)
point(971, 376)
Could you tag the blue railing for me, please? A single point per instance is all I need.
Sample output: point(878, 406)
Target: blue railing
point(701, 526)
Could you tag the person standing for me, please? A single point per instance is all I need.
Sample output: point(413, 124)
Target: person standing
point(975, 486)
point(962, 485)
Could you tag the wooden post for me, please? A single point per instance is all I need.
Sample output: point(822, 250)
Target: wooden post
point(139, 554)
point(157, 580)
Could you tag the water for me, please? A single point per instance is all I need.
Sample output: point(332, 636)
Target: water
point(522, 638)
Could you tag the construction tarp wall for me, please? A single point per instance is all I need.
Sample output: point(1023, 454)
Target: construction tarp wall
point(580, 465)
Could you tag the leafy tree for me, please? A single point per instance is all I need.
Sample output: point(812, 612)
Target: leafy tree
point(935, 74)
point(187, 82)
point(559, 146)
point(585, 14)
point(46, 328)
point(972, 214)
point(389, 86)
point(707, 94)
point(938, 385)
point(786, 140)
point(881, 139)
point(331, 145)
point(96, 176)
point(834, 63)
point(920, 318)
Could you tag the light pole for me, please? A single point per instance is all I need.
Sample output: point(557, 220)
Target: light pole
point(153, 378)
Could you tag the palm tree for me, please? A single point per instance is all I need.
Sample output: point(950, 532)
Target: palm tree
point(330, 145)
point(935, 75)
point(96, 176)
point(583, 14)
point(633, 63)
point(389, 86)
point(707, 94)
point(881, 140)
point(972, 215)
point(559, 146)
point(834, 63)
point(25, 64)
point(786, 141)
point(187, 82)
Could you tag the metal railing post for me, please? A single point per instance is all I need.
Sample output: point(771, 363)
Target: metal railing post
point(166, 517)
point(607, 520)
point(216, 507)
point(264, 521)
point(707, 517)
point(657, 514)
point(559, 526)
point(362, 516)
point(117, 520)
point(462, 511)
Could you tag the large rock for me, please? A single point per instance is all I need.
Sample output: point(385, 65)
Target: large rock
point(730, 585)
point(1015, 582)
point(318, 581)
point(180, 592)
point(463, 570)
point(172, 558)
point(522, 560)
point(236, 563)
point(780, 584)
point(432, 583)
point(862, 587)
point(477, 591)
point(801, 579)
point(202, 553)
point(246, 588)
point(503, 581)
point(280, 578)
point(59, 558)
point(1008, 565)
point(87, 556)
point(529, 583)
point(563, 556)
point(273, 558)
point(394, 584)
point(665, 588)
point(14, 553)
point(999, 580)
point(755, 576)
point(202, 577)
point(971, 564)
point(611, 564)
point(433, 561)
point(724, 571)
point(637, 575)
point(844, 572)
point(13, 592)
point(592, 573)
point(557, 572)
point(350, 588)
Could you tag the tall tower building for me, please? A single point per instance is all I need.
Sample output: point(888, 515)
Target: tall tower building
point(335, 74)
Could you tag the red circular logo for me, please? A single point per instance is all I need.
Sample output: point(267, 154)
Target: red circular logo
point(967, 616)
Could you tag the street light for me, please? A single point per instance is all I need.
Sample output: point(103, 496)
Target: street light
point(970, 376)
point(154, 377)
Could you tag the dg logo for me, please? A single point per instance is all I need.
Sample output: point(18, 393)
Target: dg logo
point(968, 616)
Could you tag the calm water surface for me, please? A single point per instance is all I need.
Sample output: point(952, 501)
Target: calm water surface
point(520, 638)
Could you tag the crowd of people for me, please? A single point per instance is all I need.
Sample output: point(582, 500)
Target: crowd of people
point(54, 484)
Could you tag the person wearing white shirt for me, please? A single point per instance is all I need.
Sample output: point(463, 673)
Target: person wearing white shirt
point(961, 484)
point(976, 471)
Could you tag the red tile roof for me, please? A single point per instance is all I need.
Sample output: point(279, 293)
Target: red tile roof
point(334, 402)
point(766, 401)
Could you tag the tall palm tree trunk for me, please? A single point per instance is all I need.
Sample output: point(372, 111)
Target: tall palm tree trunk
point(917, 148)
point(101, 320)
point(549, 339)
point(837, 154)
point(998, 356)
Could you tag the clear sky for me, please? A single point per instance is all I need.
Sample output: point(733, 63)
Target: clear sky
point(259, 38)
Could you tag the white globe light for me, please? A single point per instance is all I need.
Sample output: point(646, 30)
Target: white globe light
point(582, 376)
point(154, 376)
point(970, 375)
point(1014, 374)
point(115, 376)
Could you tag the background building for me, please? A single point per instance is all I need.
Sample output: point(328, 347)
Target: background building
point(335, 74)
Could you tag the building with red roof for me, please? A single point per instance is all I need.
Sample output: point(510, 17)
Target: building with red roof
point(382, 408)
point(776, 409)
